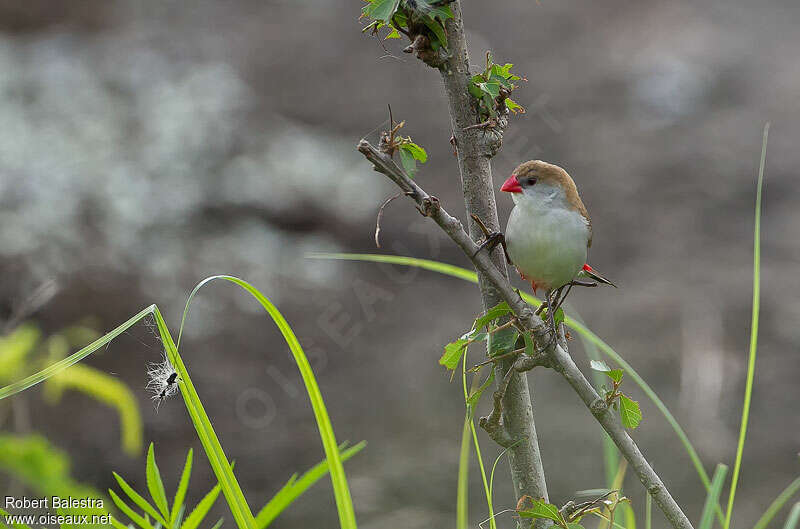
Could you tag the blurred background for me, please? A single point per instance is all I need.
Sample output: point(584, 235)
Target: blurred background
point(147, 145)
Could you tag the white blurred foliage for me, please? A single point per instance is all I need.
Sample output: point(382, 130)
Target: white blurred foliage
point(110, 151)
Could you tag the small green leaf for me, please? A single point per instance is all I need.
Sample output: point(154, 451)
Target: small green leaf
point(127, 511)
point(502, 342)
point(183, 485)
point(408, 163)
point(138, 499)
point(629, 412)
point(437, 29)
point(416, 151)
point(499, 310)
point(599, 365)
point(542, 509)
point(530, 349)
point(514, 107)
point(394, 34)
point(154, 483)
point(452, 353)
point(616, 375)
point(475, 397)
point(381, 9)
point(202, 508)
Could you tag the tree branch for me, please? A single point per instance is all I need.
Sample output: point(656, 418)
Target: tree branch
point(558, 357)
point(475, 148)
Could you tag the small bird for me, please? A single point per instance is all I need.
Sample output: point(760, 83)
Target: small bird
point(548, 232)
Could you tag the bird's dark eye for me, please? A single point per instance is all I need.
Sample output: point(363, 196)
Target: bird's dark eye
point(531, 180)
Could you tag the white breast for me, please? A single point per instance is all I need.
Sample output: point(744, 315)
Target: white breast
point(547, 244)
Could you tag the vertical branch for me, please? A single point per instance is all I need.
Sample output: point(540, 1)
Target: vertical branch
point(475, 148)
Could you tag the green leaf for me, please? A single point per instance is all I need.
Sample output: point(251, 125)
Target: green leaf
point(202, 508)
point(530, 349)
point(437, 29)
point(127, 511)
point(183, 485)
point(394, 34)
point(499, 310)
point(453, 352)
point(599, 365)
point(295, 487)
point(416, 151)
point(218, 524)
point(629, 412)
point(476, 395)
point(155, 484)
point(502, 342)
point(408, 163)
point(613, 374)
point(514, 107)
point(491, 88)
point(139, 500)
point(381, 9)
point(541, 509)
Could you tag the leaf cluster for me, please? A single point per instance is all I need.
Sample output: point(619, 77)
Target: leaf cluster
point(411, 18)
point(571, 513)
point(491, 89)
point(629, 411)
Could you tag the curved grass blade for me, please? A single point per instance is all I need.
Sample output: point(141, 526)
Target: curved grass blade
point(751, 362)
point(469, 418)
point(205, 432)
point(183, 486)
point(52, 369)
point(344, 503)
point(777, 504)
point(155, 485)
point(472, 277)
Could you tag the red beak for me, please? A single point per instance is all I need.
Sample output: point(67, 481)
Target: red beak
point(511, 185)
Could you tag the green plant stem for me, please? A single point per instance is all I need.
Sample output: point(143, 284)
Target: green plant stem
point(777, 504)
point(751, 362)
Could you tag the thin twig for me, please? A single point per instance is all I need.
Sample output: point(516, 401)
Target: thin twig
point(380, 216)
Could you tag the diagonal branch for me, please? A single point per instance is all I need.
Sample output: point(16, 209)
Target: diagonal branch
point(559, 358)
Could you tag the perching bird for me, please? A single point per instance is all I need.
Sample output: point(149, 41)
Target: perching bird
point(548, 232)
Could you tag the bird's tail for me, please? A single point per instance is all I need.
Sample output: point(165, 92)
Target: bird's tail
point(590, 272)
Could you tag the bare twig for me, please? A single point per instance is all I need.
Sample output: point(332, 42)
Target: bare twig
point(557, 356)
point(380, 216)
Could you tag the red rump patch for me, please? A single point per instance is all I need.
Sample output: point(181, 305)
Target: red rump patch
point(588, 268)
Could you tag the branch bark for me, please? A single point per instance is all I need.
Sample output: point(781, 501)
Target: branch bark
point(496, 282)
point(475, 147)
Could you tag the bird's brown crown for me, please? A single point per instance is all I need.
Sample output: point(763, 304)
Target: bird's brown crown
point(535, 172)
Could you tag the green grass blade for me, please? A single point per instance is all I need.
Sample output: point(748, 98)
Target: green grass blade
point(297, 486)
point(751, 362)
point(793, 518)
point(52, 369)
point(344, 503)
point(778, 504)
point(205, 432)
point(712, 498)
point(470, 413)
point(137, 498)
point(156, 486)
point(462, 489)
point(468, 275)
point(183, 486)
point(648, 512)
point(199, 512)
point(218, 524)
point(127, 511)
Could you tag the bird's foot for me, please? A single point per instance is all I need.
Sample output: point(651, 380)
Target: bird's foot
point(491, 239)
